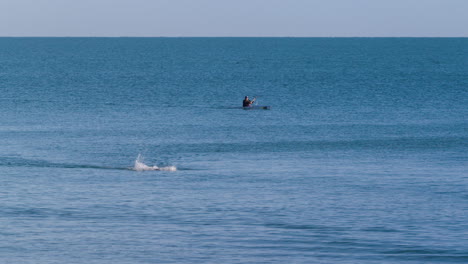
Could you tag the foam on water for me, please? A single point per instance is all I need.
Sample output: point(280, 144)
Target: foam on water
point(140, 166)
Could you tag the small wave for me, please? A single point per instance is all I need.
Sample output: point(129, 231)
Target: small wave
point(303, 227)
point(21, 162)
point(140, 166)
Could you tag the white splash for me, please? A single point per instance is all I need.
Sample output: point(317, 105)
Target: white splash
point(140, 166)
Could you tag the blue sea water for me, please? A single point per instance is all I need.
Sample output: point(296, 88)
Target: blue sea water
point(137, 150)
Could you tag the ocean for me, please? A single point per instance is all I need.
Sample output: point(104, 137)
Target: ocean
point(138, 150)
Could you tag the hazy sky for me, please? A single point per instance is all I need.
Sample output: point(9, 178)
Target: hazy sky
point(314, 18)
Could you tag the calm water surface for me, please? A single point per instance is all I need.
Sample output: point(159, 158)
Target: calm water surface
point(137, 150)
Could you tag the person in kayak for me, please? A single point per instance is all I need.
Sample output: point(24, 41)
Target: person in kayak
point(247, 102)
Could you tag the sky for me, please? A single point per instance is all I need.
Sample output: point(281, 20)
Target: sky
point(235, 18)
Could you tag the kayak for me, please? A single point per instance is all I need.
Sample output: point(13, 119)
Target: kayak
point(257, 107)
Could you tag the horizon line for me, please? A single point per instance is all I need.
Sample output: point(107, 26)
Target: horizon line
point(32, 36)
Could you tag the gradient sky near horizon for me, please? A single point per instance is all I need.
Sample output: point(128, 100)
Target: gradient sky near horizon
point(277, 18)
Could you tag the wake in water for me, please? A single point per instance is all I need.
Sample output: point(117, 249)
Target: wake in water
point(140, 166)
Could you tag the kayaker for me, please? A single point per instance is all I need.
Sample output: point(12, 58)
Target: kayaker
point(247, 102)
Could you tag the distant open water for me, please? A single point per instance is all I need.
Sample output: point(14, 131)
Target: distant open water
point(137, 150)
